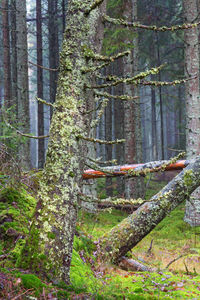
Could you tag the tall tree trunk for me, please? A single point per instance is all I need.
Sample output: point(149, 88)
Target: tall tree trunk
point(22, 80)
point(49, 246)
point(132, 126)
point(14, 53)
point(153, 124)
point(123, 237)
point(119, 127)
point(53, 48)
point(108, 137)
point(6, 55)
point(40, 84)
point(192, 214)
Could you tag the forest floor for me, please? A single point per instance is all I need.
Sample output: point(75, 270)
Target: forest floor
point(172, 249)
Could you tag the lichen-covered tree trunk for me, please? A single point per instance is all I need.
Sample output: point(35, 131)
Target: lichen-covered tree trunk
point(192, 214)
point(133, 229)
point(49, 246)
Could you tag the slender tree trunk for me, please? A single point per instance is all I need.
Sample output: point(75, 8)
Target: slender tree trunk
point(63, 13)
point(132, 126)
point(192, 214)
point(40, 84)
point(153, 124)
point(6, 55)
point(22, 80)
point(14, 53)
point(108, 136)
point(118, 127)
point(123, 237)
point(49, 246)
point(53, 48)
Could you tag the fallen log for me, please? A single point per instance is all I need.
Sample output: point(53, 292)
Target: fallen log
point(124, 236)
point(154, 166)
point(130, 264)
point(121, 203)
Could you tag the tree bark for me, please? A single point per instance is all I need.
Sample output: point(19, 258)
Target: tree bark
point(49, 246)
point(53, 48)
point(123, 237)
point(6, 55)
point(40, 84)
point(192, 213)
point(14, 53)
point(22, 80)
point(132, 126)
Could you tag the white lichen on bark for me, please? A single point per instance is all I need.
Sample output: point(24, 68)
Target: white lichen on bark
point(49, 246)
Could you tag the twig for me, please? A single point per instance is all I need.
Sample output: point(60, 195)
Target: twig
point(164, 83)
point(150, 247)
point(88, 53)
point(92, 140)
point(44, 102)
point(120, 97)
point(24, 134)
point(15, 298)
point(42, 67)
point(146, 27)
point(175, 259)
point(133, 80)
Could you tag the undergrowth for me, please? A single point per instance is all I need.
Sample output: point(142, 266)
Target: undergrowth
point(93, 280)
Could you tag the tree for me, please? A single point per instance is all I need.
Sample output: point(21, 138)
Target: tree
point(6, 56)
point(49, 246)
point(22, 80)
point(192, 214)
point(53, 48)
point(123, 237)
point(132, 120)
point(40, 83)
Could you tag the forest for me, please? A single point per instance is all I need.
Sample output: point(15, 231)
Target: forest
point(99, 149)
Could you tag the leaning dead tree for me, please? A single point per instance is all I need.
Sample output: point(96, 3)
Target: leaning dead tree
point(136, 169)
point(123, 237)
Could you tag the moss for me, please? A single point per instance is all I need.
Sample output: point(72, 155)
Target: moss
point(81, 275)
point(18, 208)
point(30, 281)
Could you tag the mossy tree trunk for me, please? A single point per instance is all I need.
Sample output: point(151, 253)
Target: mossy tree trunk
point(133, 229)
point(49, 246)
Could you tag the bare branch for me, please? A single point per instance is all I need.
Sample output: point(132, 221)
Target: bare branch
point(120, 97)
point(21, 133)
point(92, 140)
point(146, 27)
point(164, 83)
point(88, 53)
point(133, 80)
point(44, 102)
point(42, 67)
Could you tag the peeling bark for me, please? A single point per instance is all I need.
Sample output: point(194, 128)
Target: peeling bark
point(123, 237)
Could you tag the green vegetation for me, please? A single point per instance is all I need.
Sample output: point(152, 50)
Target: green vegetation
point(171, 239)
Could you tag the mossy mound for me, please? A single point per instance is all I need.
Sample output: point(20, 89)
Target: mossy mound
point(16, 210)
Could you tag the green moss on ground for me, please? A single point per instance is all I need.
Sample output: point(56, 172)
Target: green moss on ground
point(171, 238)
point(16, 210)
